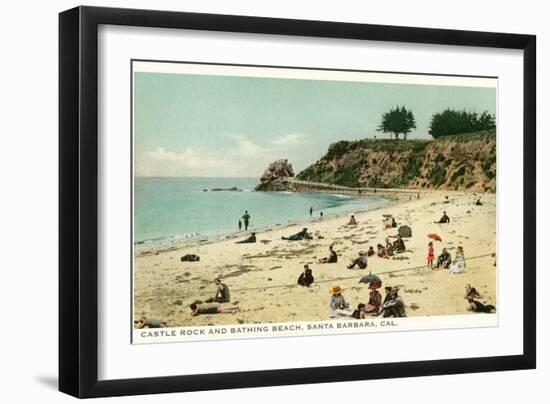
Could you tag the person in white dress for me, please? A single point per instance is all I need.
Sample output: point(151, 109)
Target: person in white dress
point(459, 263)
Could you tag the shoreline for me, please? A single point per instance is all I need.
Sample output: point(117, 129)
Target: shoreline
point(140, 248)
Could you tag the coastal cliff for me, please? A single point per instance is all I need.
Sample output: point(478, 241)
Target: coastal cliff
point(460, 162)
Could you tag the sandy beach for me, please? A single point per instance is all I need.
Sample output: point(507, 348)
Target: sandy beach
point(263, 276)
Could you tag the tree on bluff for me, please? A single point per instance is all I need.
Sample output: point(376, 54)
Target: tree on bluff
point(396, 121)
point(452, 122)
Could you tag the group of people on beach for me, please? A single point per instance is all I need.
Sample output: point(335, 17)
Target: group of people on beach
point(391, 306)
point(311, 212)
point(214, 305)
point(245, 219)
point(445, 261)
point(388, 249)
point(475, 305)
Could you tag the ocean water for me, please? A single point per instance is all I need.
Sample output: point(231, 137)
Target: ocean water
point(169, 210)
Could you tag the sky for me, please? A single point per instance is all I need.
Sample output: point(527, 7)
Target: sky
point(189, 125)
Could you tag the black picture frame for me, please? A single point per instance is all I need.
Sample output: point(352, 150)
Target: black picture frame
point(78, 200)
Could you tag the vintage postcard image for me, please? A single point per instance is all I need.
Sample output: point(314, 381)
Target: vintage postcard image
point(271, 202)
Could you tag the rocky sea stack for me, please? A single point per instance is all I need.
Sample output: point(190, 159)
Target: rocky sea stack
point(276, 177)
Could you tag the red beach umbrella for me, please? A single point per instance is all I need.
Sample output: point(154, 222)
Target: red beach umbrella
point(434, 236)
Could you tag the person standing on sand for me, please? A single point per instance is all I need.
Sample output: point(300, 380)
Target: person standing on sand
point(321, 214)
point(240, 225)
point(246, 219)
point(311, 211)
point(431, 255)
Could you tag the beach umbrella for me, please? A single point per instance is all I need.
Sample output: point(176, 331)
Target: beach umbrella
point(404, 231)
point(434, 236)
point(370, 278)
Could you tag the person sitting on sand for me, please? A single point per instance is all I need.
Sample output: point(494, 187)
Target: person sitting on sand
point(338, 305)
point(306, 278)
point(472, 292)
point(478, 307)
point(149, 323)
point(352, 221)
point(301, 235)
point(393, 222)
point(388, 294)
point(375, 301)
point(459, 263)
point(222, 292)
point(359, 312)
point(398, 245)
point(360, 261)
point(389, 247)
point(211, 308)
point(478, 202)
point(382, 253)
point(394, 306)
point(370, 252)
point(444, 259)
point(249, 239)
point(444, 218)
point(332, 258)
